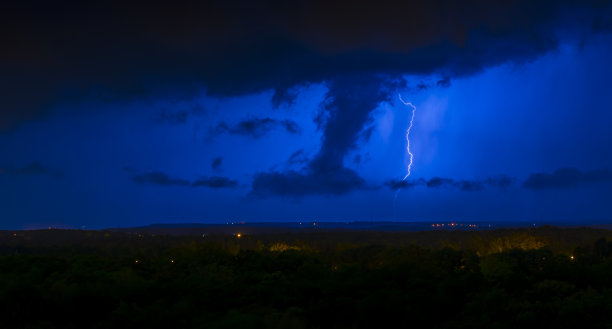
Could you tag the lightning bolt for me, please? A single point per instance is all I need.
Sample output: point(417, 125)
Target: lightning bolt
point(410, 155)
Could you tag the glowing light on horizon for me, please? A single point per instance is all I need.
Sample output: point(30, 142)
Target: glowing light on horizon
point(410, 155)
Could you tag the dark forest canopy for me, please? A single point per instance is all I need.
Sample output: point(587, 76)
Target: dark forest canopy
point(546, 277)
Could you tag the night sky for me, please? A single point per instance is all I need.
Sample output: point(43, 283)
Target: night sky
point(123, 115)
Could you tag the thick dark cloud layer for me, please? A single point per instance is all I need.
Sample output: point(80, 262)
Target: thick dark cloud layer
point(35, 168)
point(64, 52)
point(163, 179)
point(499, 181)
point(567, 178)
point(256, 127)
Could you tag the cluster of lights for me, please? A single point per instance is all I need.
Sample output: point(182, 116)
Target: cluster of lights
point(313, 223)
point(232, 223)
point(454, 225)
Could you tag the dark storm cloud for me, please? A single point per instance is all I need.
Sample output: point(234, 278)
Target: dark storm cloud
point(214, 182)
point(405, 184)
point(35, 168)
point(163, 179)
point(563, 178)
point(180, 116)
point(567, 178)
point(290, 126)
point(463, 185)
point(216, 163)
point(344, 113)
point(69, 52)
point(445, 82)
point(285, 96)
point(159, 178)
point(439, 182)
point(298, 158)
point(256, 128)
point(499, 181)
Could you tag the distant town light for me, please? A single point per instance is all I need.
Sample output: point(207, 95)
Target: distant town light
point(239, 235)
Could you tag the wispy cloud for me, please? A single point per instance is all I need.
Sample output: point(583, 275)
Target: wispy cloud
point(255, 127)
point(163, 179)
point(499, 181)
point(35, 168)
point(566, 178)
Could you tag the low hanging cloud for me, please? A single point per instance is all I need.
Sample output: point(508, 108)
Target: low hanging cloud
point(565, 178)
point(214, 182)
point(163, 179)
point(256, 127)
point(344, 113)
point(499, 182)
point(33, 169)
point(159, 178)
